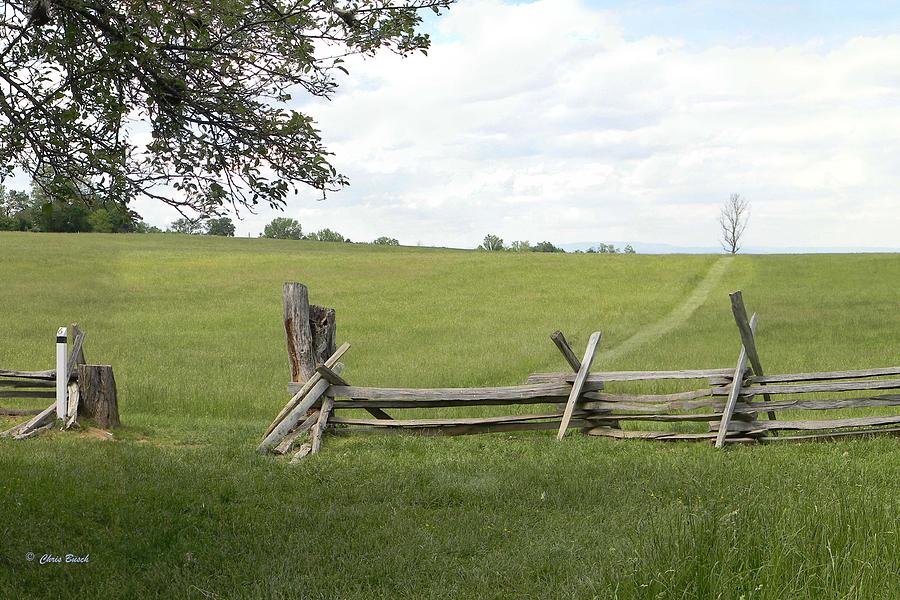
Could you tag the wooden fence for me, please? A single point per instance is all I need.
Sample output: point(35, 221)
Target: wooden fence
point(88, 391)
point(735, 404)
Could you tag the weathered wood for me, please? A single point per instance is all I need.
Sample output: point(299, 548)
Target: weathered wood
point(97, 395)
point(662, 417)
point(652, 435)
point(813, 425)
point(27, 394)
point(825, 375)
point(448, 421)
point(379, 414)
point(454, 430)
point(735, 390)
point(76, 357)
point(45, 416)
point(831, 386)
point(361, 397)
point(297, 413)
point(717, 375)
point(578, 385)
point(560, 340)
point(33, 432)
point(49, 375)
point(740, 317)
point(319, 428)
point(301, 357)
point(19, 412)
point(302, 452)
point(835, 404)
point(290, 438)
point(33, 383)
point(323, 328)
point(330, 376)
point(833, 435)
point(74, 398)
point(302, 390)
point(716, 404)
point(649, 398)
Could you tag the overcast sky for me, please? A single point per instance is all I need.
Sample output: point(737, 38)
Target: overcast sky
point(572, 121)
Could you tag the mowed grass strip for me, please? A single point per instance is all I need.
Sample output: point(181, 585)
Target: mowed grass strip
point(180, 506)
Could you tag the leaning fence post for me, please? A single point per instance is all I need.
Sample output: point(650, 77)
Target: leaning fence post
point(578, 384)
point(62, 371)
point(740, 317)
point(736, 381)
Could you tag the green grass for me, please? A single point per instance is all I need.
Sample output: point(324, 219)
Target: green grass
point(180, 505)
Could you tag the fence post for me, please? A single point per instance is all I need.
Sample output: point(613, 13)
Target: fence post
point(62, 371)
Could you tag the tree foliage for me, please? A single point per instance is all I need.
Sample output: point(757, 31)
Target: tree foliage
point(283, 228)
point(491, 243)
point(220, 226)
point(186, 225)
point(386, 241)
point(210, 80)
point(326, 235)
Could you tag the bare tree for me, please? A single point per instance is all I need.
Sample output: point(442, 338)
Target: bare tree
point(733, 220)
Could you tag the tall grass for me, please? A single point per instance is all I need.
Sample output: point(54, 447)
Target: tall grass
point(180, 506)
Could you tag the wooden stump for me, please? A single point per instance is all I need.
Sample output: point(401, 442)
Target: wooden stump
point(97, 395)
point(310, 332)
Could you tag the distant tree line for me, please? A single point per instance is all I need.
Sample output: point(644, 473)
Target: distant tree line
point(285, 228)
point(22, 211)
point(493, 243)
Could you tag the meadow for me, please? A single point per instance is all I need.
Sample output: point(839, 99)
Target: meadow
point(179, 504)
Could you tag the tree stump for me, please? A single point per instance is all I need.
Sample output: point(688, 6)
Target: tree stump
point(97, 391)
point(310, 331)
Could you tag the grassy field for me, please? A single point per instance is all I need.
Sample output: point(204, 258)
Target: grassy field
point(179, 505)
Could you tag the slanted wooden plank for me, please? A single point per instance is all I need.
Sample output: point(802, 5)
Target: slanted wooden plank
point(289, 439)
point(740, 317)
point(319, 428)
point(330, 376)
point(578, 385)
point(303, 389)
point(335, 379)
point(297, 414)
point(560, 340)
point(76, 357)
point(735, 390)
point(47, 415)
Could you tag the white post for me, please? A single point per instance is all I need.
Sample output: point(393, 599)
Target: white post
point(62, 371)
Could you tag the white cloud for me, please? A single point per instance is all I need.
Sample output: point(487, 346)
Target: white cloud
point(547, 121)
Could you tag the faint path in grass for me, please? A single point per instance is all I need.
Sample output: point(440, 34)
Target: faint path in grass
point(677, 317)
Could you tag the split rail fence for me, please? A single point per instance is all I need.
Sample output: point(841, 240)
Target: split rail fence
point(736, 404)
point(78, 390)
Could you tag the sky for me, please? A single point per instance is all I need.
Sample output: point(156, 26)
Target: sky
point(631, 122)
